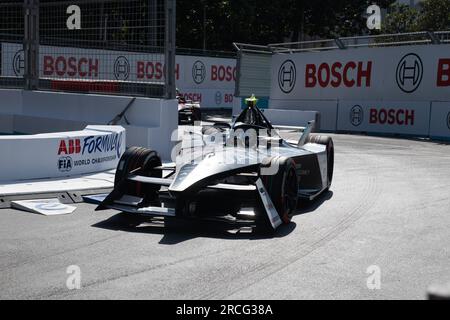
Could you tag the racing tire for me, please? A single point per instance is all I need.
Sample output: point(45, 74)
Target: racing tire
point(196, 115)
point(282, 186)
point(328, 142)
point(143, 161)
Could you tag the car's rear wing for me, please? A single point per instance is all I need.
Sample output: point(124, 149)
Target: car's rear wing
point(289, 128)
point(288, 118)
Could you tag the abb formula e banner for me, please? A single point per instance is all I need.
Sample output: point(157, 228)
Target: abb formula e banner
point(208, 80)
point(405, 73)
point(402, 117)
point(62, 154)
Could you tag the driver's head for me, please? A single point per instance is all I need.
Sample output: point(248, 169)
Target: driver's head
point(251, 102)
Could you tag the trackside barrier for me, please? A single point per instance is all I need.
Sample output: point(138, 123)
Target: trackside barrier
point(151, 121)
point(406, 73)
point(395, 117)
point(415, 118)
point(294, 118)
point(209, 80)
point(326, 108)
point(440, 120)
point(62, 154)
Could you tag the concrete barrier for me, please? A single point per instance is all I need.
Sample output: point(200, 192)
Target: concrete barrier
point(326, 108)
point(292, 117)
point(440, 120)
point(394, 117)
point(151, 120)
point(62, 154)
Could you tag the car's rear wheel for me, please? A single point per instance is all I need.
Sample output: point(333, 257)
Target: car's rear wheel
point(141, 161)
point(196, 114)
point(328, 142)
point(282, 185)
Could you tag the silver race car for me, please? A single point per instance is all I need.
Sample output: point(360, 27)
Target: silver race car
point(242, 173)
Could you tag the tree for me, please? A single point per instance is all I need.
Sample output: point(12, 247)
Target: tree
point(434, 15)
point(400, 18)
point(430, 15)
point(267, 21)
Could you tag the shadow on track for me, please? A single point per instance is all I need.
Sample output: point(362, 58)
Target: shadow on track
point(305, 206)
point(177, 231)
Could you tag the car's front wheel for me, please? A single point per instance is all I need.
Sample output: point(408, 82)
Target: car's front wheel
point(141, 161)
point(281, 182)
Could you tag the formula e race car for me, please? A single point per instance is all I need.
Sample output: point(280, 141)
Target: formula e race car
point(242, 173)
point(188, 111)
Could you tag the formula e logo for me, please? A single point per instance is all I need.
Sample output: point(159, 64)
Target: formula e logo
point(218, 97)
point(448, 120)
point(121, 68)
point(287, 76)
point(198, 72)
point(356, 115)
point(19, 63)
point(92, 144)
point(409, 73)
point(65, 164)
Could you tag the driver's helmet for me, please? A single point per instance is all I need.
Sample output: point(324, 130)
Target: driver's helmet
point(251, 101)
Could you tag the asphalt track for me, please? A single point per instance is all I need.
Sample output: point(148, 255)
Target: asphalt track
point(389, 206)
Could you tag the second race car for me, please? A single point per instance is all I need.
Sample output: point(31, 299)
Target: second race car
point(188, 111)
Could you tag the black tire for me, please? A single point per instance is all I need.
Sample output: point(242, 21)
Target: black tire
point(282, 186)
point(132, 159)
point(328, 142)
point(196, 115)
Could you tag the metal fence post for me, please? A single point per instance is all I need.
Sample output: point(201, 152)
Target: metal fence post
point(169, 48)
point(31, 44)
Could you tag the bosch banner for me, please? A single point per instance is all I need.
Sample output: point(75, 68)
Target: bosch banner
point(403, 73)
point(403, 117)
point(208, 80)
point(440, 120)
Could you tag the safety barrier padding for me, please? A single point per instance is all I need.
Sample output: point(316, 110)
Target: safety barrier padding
point(61, 154)
point(151, 121)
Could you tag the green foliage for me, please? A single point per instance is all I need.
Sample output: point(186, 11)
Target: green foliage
point(429, 15)
point(267, 21)
point(400, 18)
point(434, 15)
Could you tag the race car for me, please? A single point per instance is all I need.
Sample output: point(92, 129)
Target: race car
point(188, 111)
point(245, 175)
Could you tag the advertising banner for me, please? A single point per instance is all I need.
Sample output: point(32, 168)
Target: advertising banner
point(402, 73)
point(402, 117)
point(440, 120)
point(208, 79)
point(95, 149)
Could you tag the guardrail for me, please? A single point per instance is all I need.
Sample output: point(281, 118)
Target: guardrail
point(382, 40)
